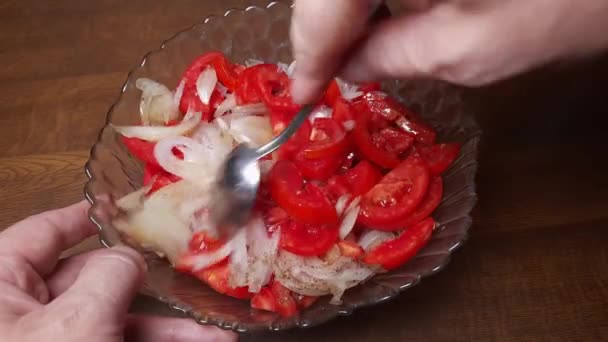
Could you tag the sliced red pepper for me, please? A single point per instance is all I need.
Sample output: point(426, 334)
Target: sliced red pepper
point(394, 253)
point(305, 203)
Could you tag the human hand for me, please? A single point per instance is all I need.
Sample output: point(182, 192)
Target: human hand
point(82, 298)
point(468, 42)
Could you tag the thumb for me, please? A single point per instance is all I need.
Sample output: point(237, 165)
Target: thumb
point(107, 283)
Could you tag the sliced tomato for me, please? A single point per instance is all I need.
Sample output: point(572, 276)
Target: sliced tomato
point(317, 169)
point(342, 111)
point(141, 149)
point(308, 239)
point(439, 157)
point(203, 242)
point(394, 253)
point(332, 93)
point(306, 203)
point(380, 103)
point(264, 300)
point(284, 303)
point(396, 196)
point(150, 171)
point(393, 140)
point(366, 144)
point(369, 86)
point(361, 178)
point(350, 249)
point(162, 179)
point(429, 203)
point(191, 101)
point(327, 139)
point(217, 278)
point(279, 120)
point(268, 83)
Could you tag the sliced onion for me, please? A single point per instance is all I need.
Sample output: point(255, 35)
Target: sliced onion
point(156, 133)
point(349, 125)
point(204, 260)
point(283, 67)
point(312, 276)
point(349, 220)
point(291, 69)
point(157, 105)
point(341, 203)
point(205, 84)
point(252, 61)
point(222, 89)
point(262, 253)
point(134, 200)
point(320, 112)
point(238, 260)
point(348, 90)
point(370, 239)
point(254, 130)
point(250, 109)
point(179, 92)
point(228, 104)
point(197, 164)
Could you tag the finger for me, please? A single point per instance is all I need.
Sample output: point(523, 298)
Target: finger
point(321, 32)
point(109, 280)
point(412, 45)
point(67, 271)
point(41, 238)
point(161, 329)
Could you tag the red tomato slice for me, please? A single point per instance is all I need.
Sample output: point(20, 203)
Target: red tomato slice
point(332, 94)
point(382, 104)
point(150, 171)
point(342, 111)
point(439, 157)
point(350, 249)
point(328, 139)
point(369, 86)
point(362, 178)
point(191, 100)
point(307, 204)
point(365, 144)
point(396, 196)
point(284, 303)
point(246, 89)
point(217, 278)
point(393, 140)
point(428, 205)
point(264, 300)
point(394, 253)
point(308, 239)
point(317, 169)
point(271, 85)
point(280, 120)
point(202, 242)
point(162, 179)
point(141, 149)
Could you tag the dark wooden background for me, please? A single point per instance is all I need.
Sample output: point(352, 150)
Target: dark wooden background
point(535, 267)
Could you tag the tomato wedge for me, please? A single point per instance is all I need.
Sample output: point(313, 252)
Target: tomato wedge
point(162, 179)
point(428, 205)
point(284, 303)
point(150, 171)
point(332, 93)
point(397, 195)
point(304, 301)
point(141, 149)
point(328, 139)
point(264, 300)
point(217, 278)
point(394, 253)
point(356, 181)
point(380, 103)
point(307, 239)
point(268, 83)
point(342, 111)
point(279, 120)
point(439, 157)
point(366, 144)
point(304, 202)
point(317, 169)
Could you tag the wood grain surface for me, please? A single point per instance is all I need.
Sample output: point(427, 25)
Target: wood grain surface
point(535, 267)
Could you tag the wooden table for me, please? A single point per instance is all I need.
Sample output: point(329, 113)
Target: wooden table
point(535, 267)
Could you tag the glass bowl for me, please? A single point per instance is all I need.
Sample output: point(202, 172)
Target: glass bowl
point(261, 32)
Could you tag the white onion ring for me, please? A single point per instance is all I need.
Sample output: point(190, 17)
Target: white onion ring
point(156, 133)
point(205, 84)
